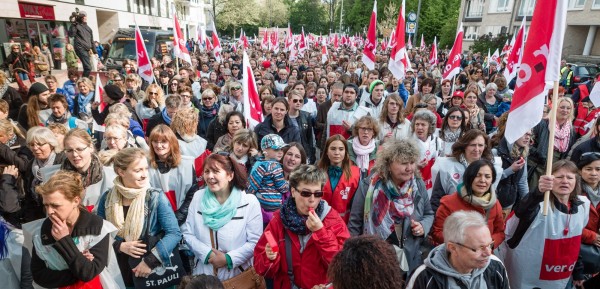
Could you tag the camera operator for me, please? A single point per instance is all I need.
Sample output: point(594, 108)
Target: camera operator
point(84, 40)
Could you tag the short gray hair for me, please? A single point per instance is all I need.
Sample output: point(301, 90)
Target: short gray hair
point(395, 150)
point(308, 174)
point(427, 116)
point(40, 134)
point(173, 101)
point(117, 130)
point(492, 86)
point(457, 224)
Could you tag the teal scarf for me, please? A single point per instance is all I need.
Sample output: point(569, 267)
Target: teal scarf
point(216, 215)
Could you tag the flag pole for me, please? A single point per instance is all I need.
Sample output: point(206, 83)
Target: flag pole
point(550, 155)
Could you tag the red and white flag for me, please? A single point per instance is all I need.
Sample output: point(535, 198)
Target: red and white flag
point(539, 69)
point(409, 44)
point(201, 37)
point(216, 44)
point(143, 60)
point(452, 67)
point(302, 45)
point(275, 41)
point(422, 46)
point(433, 55)
point(336, 42)
point(252, 108)
point(496, 56)
point(265, 41)
point(209, 46)
point(179, 41)
point(289, 39)
point(368, 56)
point(399, 63)
point(515, 55)
point(324, 54)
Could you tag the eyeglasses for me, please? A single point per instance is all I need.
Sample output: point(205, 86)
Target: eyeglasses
point(207, 98)
point(39, 145)
point(77, 150)
point(455, 117)
point(480, 249)
point(236, 88)
point(152, 93)
point(297, 100)
point(112, 139)
point(174, 84)
point(307, 193)
point(365, 129)
point(185, 95)
point(391, 103)
point(117, 79)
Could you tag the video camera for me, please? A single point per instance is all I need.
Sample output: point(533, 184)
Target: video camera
point(77, 17)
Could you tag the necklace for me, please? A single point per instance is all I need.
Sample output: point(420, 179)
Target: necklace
point(566, 230)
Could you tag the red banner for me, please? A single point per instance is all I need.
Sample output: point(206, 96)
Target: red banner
point(36, 11)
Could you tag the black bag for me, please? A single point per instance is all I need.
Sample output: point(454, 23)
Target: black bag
point(590, 256)
point(163, 276)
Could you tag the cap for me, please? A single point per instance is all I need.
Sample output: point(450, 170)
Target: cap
point(272, 141)
point(37, 88)
point(458, 93)
point(375, 83)
point(82, 13)
point(113, 92)
point(266, 64)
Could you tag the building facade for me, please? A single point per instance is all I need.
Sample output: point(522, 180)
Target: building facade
point(47, 21)
point(480, 17)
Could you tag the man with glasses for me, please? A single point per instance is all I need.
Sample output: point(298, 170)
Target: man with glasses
point(172, 105)
point(281, 83)
point(465, 260)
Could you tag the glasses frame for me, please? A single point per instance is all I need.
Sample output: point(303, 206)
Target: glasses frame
point(306, 194)
point(77, 150)
point(478, 250)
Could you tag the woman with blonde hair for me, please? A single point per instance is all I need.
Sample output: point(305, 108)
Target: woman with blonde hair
point(13, 146)
point(40, 62)
point(152, 104)
point(137, 209)
point(133, 91)
point(208, 111)
point(71, 57)
point(392, 121)
point(72, 247)
point(82, 107)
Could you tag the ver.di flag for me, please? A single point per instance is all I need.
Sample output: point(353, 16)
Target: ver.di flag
point(179, 42)
point(252, 107)
point(368, 56)
point(398, 63)
point(515, 54)
point(143, 60)
point(452, 67)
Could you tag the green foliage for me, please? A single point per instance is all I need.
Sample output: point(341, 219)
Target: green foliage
point(488, 41)
point(310, 14)
point(237, 13)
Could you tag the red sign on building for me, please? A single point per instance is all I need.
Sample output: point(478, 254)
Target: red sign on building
point(36, 11)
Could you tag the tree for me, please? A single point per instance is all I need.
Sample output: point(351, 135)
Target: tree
point(309, 14)
point(488, 41)
point(273, 13)
point(237, 13)
point(387, 24)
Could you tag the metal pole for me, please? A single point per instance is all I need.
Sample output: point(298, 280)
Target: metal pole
point(341, 15)
point(417, 23)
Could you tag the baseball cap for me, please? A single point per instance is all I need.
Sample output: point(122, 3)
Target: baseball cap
point(458, 93)
point(272, 141)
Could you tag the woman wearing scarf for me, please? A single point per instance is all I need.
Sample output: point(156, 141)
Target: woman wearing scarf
point(306, 227)
point(208, 111)
point(342, 177)
point(83, 100)
point(20, 202)
point(362, 146)
point(130, 205)
point(223, 223)
point(476, 114)
point(234, 121)
point(564, 138)
point(430, 146)
point(13, 147)
point(454, 126)
point(61, 114)
point(72, 247)
point(151, 105)
point(589, 169)
point(474, 194)
point(513, 181)
point(82, 159)
point(394, 198)
point(392, 121)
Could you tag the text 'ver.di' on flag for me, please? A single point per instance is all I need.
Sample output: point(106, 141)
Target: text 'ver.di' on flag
point(540, 67)
point(252, 107)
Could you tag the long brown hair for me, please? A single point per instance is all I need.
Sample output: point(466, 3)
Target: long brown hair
point(164, 133)
point(33, 107)
point(324, 163)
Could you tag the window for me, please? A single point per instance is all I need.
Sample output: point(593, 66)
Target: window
point(501, 6)
point(526, 8)
point(596, 4)
point(474, 8)
point(494, 30)
point(576, 4)
point(471, 32)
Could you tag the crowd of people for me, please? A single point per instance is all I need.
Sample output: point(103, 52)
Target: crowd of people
point(354, 179)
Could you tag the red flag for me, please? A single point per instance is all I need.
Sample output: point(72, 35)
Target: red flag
point(453, 65)
point(143, 61)
point(398, 61)
point(252, 108)
point(209, 46)
point(216, 44)
point(368, 56)
point(433, 55)
point(336, 43)
point(324, 54)
point(514, 56)
point(289, 39)
point(409, 44)
point(302, 46)
point(496, 56)
point(422, 47)
point(179, 41)
point(275, 40)
point(265, 41)
point(540, 67)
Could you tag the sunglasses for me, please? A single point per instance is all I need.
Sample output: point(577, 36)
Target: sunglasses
point(174, 84)
point(296, 100)
point(207, 98)
point(455, 117)
point(236, 88)
point(152, 93)
point(307, 193)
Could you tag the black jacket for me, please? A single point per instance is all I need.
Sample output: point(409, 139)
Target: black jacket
point(307, 136)
point(215, 130)
point(590, 145)
point(289, 133)
point(84, 38)
point(18, 154)
point(154, 121)
point(508, 188)
point(14, 100)
point(80, 268)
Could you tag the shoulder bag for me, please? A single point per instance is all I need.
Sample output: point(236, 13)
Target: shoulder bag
point(163, 276)
point(590, 256)
point(248, 279)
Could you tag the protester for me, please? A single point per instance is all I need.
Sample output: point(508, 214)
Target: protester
point(362, 146)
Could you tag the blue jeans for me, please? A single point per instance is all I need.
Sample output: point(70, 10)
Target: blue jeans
point(23, 75)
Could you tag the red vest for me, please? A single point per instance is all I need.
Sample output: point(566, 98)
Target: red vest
point(584, 116)
point(341, 198)
point(583, 91)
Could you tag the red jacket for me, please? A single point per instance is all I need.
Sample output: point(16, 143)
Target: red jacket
point(310, 266)
point(591, 229)
point(452, 203)
point(341, 198)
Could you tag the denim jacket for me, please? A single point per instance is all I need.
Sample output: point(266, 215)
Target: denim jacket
point(161, 218)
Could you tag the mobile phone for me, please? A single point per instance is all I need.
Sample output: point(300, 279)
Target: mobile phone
point(272, 242)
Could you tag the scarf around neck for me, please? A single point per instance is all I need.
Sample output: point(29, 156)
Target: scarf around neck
point(130, 227)
point(92, 175)
point(62, 120)
point(562, 136)
point(165, 116)
point(451, 136)
point(215, 214)
point(362, 153)
point(292, 220)
point(487, 201)
point(3, 89)
point(12, 141)
point(209, 112)
point(83, 101)
point(593, 195)
point(36, 169)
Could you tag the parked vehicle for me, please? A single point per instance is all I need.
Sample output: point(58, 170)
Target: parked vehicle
point(582, 72)
point(158, 43)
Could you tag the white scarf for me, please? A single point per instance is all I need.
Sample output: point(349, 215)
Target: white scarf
point(362, 153)
point(130, 227)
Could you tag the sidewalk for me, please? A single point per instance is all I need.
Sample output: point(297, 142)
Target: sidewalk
point(61, 77)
